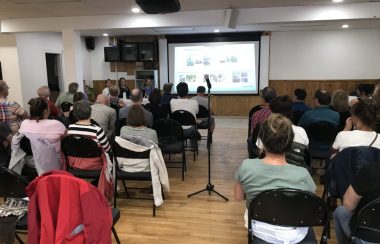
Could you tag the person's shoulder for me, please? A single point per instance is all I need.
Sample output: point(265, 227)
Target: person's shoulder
point(297, 170)
point(249, 163)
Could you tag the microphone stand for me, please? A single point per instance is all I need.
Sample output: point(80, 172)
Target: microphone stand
point(209, 186)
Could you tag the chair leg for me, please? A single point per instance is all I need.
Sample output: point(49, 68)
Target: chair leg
point(125, 188)
point(19, 239)
point(154, 209)
point(183, 166)
point(115, 235)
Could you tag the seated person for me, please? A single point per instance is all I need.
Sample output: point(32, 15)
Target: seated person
point(5, 144)
point(136, 98)
point(363, 121)
point(363, 91)
point(339, 103)
point(267, 95)
point(106, 90)
point(159, 111)
point(364, 189)
point(322, 111)
point(104, 115)
point(67, 96)
point(273, 172)
point(44, 92)
point(124, 91)
point(39, 126)
point(167, 96)
point(136, 125)
point(299, 106)
point(203, 101)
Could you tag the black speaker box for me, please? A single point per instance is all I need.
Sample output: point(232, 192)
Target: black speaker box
point(90, 42)
point(159, 6)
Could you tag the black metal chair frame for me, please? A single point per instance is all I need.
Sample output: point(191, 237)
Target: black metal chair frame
point(185, 118)
point(203, 114)
point(288, 207)
point(119, 174)
point(251, 112)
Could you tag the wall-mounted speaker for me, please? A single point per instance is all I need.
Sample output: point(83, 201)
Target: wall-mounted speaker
point(90, 42)
point(159, 6)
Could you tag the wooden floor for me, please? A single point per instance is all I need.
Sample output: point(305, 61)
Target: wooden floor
point(202, 218)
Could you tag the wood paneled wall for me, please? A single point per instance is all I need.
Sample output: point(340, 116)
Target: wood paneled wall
point(234, 105)
point(287, 87)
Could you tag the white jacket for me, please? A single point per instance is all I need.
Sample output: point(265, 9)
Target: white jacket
point(156, 162)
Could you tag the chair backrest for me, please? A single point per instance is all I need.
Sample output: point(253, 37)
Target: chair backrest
point(251, 112)
point(184, 117)
point(288, 207)
point(80, 146)
point(367, 223)
point(26, 146)
point(202, 112)
point(122, 152)
point(298, 155)
point(65, 106)
point(12, 184)
point(168, 131)
point(321, 133)
point(296, 116)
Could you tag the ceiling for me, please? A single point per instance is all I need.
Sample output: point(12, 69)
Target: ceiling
point(13, 9)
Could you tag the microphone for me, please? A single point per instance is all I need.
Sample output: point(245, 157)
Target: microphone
point(207, 78)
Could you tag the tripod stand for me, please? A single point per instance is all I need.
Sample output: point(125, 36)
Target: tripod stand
point(209, 186)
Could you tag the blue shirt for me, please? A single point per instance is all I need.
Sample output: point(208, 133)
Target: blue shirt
point(321, 113)
point(300, 106)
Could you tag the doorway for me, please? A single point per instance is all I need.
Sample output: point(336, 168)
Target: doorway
point(54, 74)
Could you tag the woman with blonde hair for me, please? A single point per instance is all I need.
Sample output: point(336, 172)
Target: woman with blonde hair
point(339, 103)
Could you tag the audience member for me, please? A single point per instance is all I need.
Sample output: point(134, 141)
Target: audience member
point(167, 96)
point(267, 95)
point(339, 103)
point(299, 103)
point(273, 172)
point(364, 189)
point(44, 93)
point(123, 88)
point(322, 111)
point(115, 101)
point(136, 98)
point(363, 91)
point(148, 87)
point(136, 125)
point(5, 144)
point(67, 96)
point(376, 102)
point(104, 115)
point(158, 110)
point(10, 111)
point(106, 91)
point(363, 121)
point(84, 126)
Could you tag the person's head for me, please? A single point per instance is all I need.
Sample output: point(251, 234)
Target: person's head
point(4, 89)
point(364, 114)
point(276, 134)
point(282, 105)
point(322, 97)
point(73, 87)
point(168, 87)
point(339, 101)
point(82, 110)
point(155, 96)
point(43, 92)
point(78, 96)
point(39, 109)
point(122, 82)
point(268, 93)
point(365, 90)
point(300, 94)
point(148, 82)
point(182, 89)
point(101, 99)
point(136, 116)
point(136, 96)
point(201, 90)
point(114, 91)
point(108, 83)
point(376, 98)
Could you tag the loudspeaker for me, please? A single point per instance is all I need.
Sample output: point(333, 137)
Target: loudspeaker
point(159, 6)
point(90, 42)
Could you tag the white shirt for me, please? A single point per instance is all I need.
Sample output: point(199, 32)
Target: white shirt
point(184, 104)
point(202, 100)
point(355, 138)
point(106, 92)
point(300, 136)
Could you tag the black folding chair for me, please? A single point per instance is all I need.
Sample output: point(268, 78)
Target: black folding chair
point(288, 207)
point(170, 141)
point(321, 136)
point(28, 172)
point(367, 223)
point(121, 152)
point(251, 112)
point(298, 155)
point(13, 185)
point(81, 147)
point(296, 116)
point(185, 118)
point(202, 119)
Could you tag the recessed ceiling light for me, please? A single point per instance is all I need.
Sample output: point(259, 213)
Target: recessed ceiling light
point(105, 34)
point(135, 10)
point(337, 1)
point(216, 30)
point(345, 26)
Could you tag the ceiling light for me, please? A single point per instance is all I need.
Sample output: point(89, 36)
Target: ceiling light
point(105, 34)
point(135, 10)
point(345, 26)
point(216, 31)
point(337, 1)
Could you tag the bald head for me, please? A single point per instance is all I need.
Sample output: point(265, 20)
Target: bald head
point(323, 97)
point(3, 89)
point(136, 96)
point(101, 99)
point(43, 92)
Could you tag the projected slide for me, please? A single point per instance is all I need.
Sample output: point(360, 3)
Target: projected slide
point(232, 67)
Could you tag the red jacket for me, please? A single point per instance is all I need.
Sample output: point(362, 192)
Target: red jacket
point(59, 203)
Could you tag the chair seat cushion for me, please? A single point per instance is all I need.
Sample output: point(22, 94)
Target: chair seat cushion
point(176, 147)
point(138, 176)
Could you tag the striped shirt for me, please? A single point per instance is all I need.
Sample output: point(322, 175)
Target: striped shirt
point(92, 131)
point(259, 117)
point(10, 113)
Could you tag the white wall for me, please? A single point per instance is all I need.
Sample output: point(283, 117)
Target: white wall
point(31, 54)
point(318, 55)
point(10, 66)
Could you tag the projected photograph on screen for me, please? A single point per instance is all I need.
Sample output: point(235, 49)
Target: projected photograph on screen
point(231, 66)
